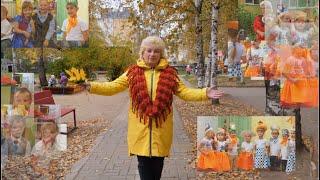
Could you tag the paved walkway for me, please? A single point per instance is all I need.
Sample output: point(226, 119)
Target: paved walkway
point(109, 157)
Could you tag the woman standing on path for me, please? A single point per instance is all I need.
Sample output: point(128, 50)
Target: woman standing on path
point(152, 84)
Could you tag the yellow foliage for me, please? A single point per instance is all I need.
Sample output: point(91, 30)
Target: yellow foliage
point(76, 75)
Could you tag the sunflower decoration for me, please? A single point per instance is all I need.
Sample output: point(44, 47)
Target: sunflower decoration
point(76, 76)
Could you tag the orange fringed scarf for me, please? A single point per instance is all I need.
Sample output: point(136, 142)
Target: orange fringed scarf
point(72, 22)
point(142, 103)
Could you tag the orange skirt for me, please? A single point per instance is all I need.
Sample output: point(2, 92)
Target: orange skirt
point(295, 93)
point(252, 72)
point(207, 162)
point(304, 92)
point(245, 161)
point(313, 88)
point(223, 162)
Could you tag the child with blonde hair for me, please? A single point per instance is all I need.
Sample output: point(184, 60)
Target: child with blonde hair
point(261, 148)
point(275, 148)
point(245, 159)
point(284, 149)
point(22, 26)
point(233, 147)
point(17, 144)
point(291, 163)
point(222, 158)
point(206, 148)
point(6, 31)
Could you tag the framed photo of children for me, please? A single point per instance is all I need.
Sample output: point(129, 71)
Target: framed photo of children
point(72, 23)
point(32, 24)
point(236, 143)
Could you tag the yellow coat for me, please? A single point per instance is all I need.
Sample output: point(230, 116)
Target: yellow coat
point(142, 140)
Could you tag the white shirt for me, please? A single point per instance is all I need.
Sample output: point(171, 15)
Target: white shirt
point(255, 56)
point(247, 147)
point(261, 143)
point(39, 150)
point(221, 145)
point(75, 33)
point(206, 143)
point(284, 152)
point(6, 29)
point(240, 52)
point(234, 150)
point(275, 147)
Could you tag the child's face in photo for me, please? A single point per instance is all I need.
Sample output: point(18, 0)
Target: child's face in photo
point(300, 24)
point(47, 135)
point(285, 136)
point(247, 137)
point(220, 137)
point(22, 99)
point(27, 12)
point(17, 129)
point(44, 6)
point(274, 134)
point(260, 132)
point(72, 10)
point(233, 134)
point(293, 135)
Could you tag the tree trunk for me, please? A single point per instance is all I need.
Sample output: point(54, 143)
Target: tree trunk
point(199, 45)
point(42, 70)
point(214, 49)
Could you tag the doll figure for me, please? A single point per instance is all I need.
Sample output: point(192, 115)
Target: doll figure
point(261, 147)
point(245, 159)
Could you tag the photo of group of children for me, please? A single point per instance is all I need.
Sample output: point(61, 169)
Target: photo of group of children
point(28, 129)
point(44, 23)
point(284, 47)
point(246, 143)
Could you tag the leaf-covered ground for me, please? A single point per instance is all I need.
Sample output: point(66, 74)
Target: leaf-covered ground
point(80, 143)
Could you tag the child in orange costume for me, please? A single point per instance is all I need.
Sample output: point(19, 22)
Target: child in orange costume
point(221, 157)
point(207, 154)
point(314, 74)
point(245, 159)
point(296, 88)
point(255, 58)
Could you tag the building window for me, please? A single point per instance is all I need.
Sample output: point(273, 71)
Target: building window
point(252, 2)
point(294, 4)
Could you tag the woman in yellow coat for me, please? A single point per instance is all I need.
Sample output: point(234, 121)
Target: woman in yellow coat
point(152, 84)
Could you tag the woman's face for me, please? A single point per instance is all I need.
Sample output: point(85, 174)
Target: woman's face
point(72, 10)
point(151, 55)
point(27, 12)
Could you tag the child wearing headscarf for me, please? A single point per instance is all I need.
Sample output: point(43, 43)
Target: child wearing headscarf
point(206, 148)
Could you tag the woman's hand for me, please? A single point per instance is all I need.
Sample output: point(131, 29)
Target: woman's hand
point(214, 93)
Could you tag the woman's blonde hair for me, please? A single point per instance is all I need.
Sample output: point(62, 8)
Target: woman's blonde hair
point(154, 40)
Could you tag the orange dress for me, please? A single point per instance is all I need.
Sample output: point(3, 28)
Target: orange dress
point(222, 158)
point(207, 161)
point(272, 65)
point(254, 57)
point(245, 159)
point(301, 92)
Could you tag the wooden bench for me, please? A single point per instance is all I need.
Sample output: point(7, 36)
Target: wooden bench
point(45, 97)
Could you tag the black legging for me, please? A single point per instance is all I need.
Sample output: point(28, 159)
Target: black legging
point(150, 168)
